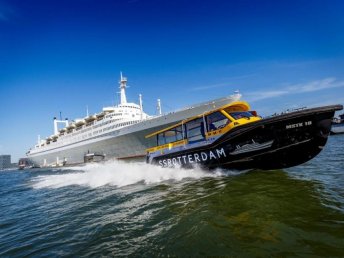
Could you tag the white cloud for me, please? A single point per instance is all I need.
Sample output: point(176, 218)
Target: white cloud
point(327, 83)
point(218, 85)
point(255, 96)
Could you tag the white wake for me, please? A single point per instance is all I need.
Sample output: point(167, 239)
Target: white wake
point(119, 174)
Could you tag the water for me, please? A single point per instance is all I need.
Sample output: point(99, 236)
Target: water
point(138, 210)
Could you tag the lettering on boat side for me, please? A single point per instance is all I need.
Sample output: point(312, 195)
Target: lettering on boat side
point(307, 123)
point(193, 158)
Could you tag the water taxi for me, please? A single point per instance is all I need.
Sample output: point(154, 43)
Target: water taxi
point(234, 137)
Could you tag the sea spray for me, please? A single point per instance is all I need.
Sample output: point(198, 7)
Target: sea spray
point(118, 173)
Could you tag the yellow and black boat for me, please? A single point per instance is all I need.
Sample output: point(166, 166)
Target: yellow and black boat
point(234, 137)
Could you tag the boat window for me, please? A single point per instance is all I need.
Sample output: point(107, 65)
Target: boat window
point(195, 130)
point(216, 120)
point(238, 115)
point(172, 135)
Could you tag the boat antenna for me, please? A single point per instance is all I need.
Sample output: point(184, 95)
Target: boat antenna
point(87, 110)
point(60, 115)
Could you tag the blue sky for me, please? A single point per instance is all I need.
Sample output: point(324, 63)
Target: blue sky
point(66, 55)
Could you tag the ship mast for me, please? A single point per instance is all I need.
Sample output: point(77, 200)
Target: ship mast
point(158, 107)
point(141, 107)
point(122, 86)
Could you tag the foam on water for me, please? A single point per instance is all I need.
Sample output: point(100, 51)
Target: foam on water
point(120, 174)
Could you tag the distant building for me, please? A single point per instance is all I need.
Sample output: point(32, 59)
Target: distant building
point(5, 161)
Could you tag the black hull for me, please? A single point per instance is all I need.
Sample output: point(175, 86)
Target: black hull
point(273, 143)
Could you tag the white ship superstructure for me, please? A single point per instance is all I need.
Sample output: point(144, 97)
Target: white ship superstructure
point(116, 132)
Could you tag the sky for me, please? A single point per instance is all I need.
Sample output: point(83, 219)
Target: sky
point(65, 56)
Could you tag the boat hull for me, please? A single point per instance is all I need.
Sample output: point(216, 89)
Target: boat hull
point(273, 143)
point(337, 128)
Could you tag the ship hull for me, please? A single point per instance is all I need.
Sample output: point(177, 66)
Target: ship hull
point(274, 143)
point(125, 143)
point(127, 146)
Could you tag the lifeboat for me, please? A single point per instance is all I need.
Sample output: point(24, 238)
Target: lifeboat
point(79, 122)
point(108, 109)
point(90, 118)
point(233, 137)
point(62, 131)
point(100, 116)
point(54, 137)
point(71, 126)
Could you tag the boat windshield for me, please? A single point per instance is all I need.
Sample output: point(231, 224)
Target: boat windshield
point(238, 115)
point(216, 120)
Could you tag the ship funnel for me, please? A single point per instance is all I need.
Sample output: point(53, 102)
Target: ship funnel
point(122, 86)
point(65, 122)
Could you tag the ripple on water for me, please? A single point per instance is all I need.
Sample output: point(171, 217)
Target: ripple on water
point(121, 209)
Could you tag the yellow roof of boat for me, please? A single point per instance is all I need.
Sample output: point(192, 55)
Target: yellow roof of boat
point(236, 105)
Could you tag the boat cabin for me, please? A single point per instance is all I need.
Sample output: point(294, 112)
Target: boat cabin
point(206, 127)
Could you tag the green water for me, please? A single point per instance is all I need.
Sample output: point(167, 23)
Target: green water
point(137, 210)
point(255, 214)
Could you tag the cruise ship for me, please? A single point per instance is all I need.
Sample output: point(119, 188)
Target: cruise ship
point(117, 132)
